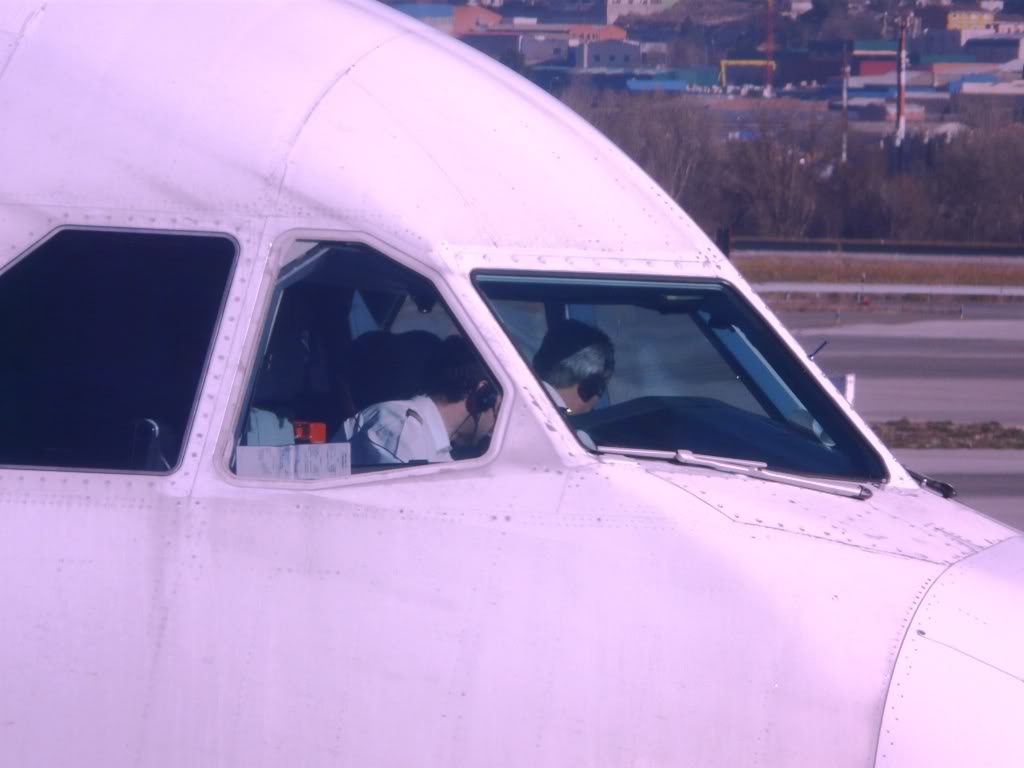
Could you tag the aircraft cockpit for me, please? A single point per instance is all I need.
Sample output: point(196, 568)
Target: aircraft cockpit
point(348, 329)
point(698, 372)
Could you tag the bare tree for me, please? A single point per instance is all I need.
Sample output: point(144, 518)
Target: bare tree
point(779, 176)
point(774, 180)
point(672, 138)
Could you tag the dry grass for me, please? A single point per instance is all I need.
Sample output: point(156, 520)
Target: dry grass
point(836, 268)
point(946, 434)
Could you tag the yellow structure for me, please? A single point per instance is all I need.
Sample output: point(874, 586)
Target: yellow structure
point(724, 65)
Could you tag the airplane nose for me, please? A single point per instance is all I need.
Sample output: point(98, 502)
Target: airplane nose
point(957, 691)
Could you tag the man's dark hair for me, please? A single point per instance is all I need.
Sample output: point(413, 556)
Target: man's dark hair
point(454, 370)
point(573, 352)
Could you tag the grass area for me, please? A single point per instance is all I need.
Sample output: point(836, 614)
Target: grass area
point(947, 434)
point(837, 268)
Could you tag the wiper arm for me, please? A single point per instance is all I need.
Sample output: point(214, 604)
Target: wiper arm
point(758, 469)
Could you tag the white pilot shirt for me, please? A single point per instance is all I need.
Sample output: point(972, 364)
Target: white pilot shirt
point(397, 432)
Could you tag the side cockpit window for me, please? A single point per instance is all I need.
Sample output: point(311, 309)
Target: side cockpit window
point(362, 367)
point(104, 338)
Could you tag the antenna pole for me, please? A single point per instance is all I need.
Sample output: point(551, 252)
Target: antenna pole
point(901, 86)
point(846, 101)
point(769, 48)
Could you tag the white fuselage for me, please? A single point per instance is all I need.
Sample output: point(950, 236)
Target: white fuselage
point(539, 605)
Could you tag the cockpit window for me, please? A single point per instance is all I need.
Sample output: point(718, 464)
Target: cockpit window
point(104, 340)
point(362, 367)
point(675, 366)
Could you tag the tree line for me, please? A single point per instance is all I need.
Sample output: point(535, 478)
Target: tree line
point(777, 173)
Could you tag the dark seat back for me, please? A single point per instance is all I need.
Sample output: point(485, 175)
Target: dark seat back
point(390, 366)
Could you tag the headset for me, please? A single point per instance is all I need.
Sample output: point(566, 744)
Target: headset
point(592, 386)
point(463, 377)
point(482, 399)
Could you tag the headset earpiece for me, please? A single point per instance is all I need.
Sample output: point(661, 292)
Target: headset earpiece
point(591, 387)
point(482, 399)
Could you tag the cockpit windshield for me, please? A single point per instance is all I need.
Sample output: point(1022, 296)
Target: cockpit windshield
point(675, 366)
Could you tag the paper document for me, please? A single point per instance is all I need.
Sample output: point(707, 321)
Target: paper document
point(294, 462)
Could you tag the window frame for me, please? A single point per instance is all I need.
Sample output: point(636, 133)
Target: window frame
point(838, 401)
point(204, 370)
point(258, 338)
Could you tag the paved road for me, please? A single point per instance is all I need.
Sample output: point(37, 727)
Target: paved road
point(937, 369)
point(966, 400)
point(961, 370)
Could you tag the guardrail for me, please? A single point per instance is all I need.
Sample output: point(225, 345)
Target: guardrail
point(890, 289)
point(861, 247)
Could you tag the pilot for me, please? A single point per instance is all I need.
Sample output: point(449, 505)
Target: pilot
point(575, 362)
point(457, 410)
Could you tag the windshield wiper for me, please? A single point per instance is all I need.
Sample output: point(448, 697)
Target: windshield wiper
point(758, 469)
point(945, 490)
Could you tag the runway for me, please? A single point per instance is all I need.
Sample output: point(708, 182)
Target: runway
point(960, 370)
point(923, 368)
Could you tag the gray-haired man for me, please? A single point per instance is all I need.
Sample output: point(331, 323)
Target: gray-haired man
point(575, 362)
